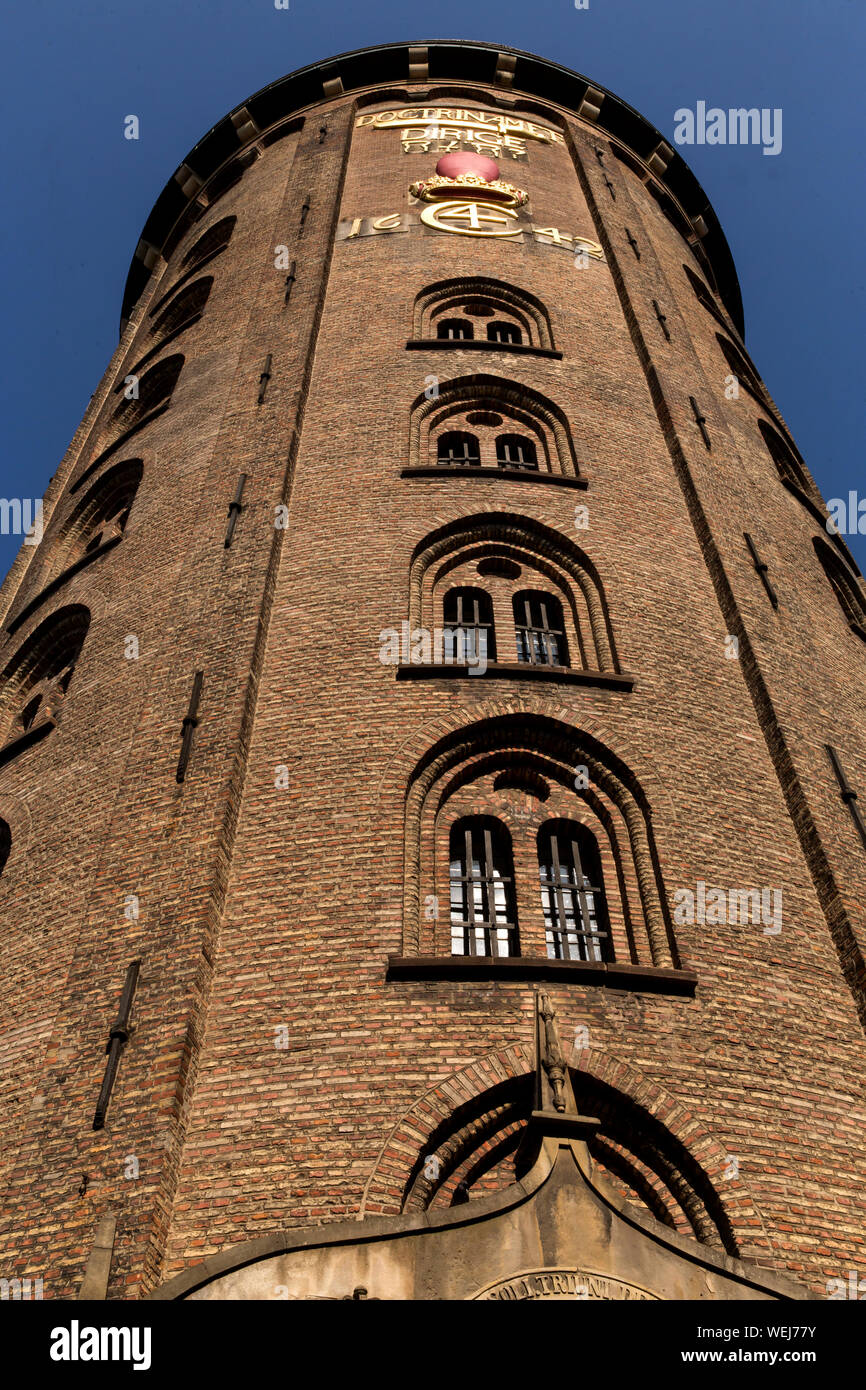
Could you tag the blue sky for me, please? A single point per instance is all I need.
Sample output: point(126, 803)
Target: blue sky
point(77, 193)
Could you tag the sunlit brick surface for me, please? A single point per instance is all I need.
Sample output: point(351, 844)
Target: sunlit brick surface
point(272, 899)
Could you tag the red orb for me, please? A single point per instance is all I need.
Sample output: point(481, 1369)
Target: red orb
point(450, 166)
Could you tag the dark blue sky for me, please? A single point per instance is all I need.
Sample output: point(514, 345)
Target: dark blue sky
point(78, 193)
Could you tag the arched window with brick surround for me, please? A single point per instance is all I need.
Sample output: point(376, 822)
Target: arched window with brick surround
point(483, 916)
point(36, 681)
point(518, 432)
point(572, 893)
point(95, 526)
point(500, 331)
point(210, 243)
point(788, 466)
point(845, 586)
point(704, 295)
point(742, 368)
point(184, 309)
point(154, 389)
point(582, 864)
point(499, 314)
point(101, 516)
point(508, 555)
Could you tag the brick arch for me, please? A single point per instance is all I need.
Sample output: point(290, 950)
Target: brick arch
point(102, 509)
point(452, 1116)
point(209, 243)
point(844, 584)
point(183, 308)
point(384, 1188)
point(523, 534)
point(392, 783)
point(155, 388)
point(446, 294)
point(41, 669)
point(562, 746)
point(484, 391)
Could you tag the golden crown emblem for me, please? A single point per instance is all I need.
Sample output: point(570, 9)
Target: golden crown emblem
point(438, 187)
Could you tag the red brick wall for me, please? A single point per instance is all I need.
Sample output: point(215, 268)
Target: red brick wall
point(265, 905)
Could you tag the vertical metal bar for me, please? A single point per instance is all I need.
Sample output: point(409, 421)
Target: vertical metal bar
point(762, 569)
point(265, 378)
point(562, 933)
point(290, 282)
point(847, 793)
point(489, 896)
point(469, 928)
point(701, 422)
point(190, 722)
point(663, 320)
point(117, 1037)
point(581, 895)
point(234, 510)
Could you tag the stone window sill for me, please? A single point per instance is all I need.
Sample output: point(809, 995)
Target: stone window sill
point(514, 670)
point(520, 475)
point(646, 979)
point(482, 345)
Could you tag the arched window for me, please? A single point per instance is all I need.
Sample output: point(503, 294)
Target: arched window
point(487, 305)
point(468, 621)
point(539, 628)
point(741, 367)
point(102, 515)
point(37, 679)
point(154, 387)
point(703, 295)
point(787, 465)
point(486, 407)
point(459, 448)
point(500, 332)
point(851, 599)
point(214, 240)
point(483, 908)
point(516, 451)
point(184, 307)
point(572, 893)
point(457, 329)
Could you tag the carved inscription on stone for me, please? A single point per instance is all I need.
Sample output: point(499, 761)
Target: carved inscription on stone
point(561, 1284)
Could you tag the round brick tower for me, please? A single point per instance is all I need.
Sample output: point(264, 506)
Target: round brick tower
point(432, 723)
